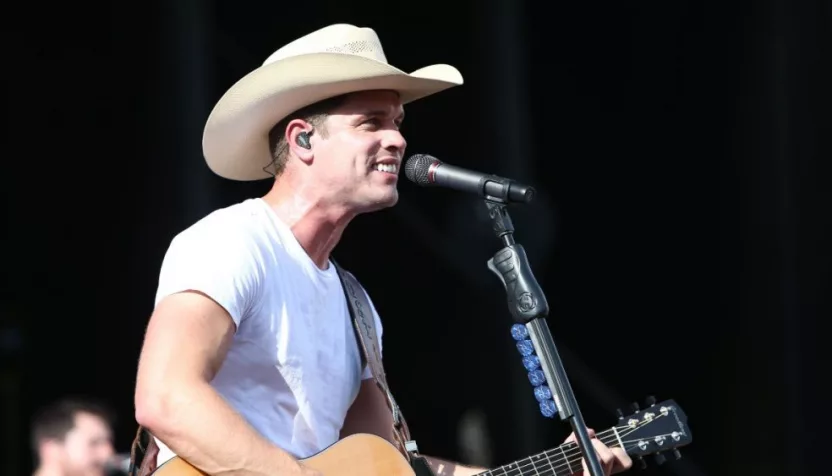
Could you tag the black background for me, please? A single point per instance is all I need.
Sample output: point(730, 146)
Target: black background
point(681, 233)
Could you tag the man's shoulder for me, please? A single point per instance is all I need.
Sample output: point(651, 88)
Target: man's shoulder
point(222, 255)
point(235, 223)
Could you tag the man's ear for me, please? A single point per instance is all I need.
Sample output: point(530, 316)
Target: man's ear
point(299, 136)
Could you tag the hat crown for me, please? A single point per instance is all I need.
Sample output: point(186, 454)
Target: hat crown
point(340, 38)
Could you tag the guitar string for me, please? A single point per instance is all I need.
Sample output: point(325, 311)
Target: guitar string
point(556, 471)
point(623, 431)
point(552, 470)
point(608, 437)
point(555, 462)
point(555, 468)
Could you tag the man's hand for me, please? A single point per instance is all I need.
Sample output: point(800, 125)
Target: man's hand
point(613, 460)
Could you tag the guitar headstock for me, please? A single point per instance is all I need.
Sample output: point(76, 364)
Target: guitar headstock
point(659, 428)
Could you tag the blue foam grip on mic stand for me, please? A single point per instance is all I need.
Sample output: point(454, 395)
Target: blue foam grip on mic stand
point(531, 362)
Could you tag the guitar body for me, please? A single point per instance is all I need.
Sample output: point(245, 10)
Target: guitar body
point(356, 455)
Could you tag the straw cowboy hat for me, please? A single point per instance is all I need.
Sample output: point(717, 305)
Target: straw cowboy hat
point(334, 60)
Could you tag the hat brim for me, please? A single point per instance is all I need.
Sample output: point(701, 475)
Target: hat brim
point(235, 140)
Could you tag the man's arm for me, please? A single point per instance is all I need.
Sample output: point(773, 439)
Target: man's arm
point(186, 341)
point(369, 413)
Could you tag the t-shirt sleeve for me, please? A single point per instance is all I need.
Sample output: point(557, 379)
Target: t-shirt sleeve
point(219, 261)
point(379, 331)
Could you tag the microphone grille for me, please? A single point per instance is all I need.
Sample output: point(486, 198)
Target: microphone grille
point(417, 166)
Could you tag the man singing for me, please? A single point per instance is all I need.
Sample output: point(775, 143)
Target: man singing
point(250, 362)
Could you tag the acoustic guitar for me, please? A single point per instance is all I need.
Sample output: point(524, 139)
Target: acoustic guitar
point(656, 430)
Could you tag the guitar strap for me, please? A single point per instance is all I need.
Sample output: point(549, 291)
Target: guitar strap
point(143, 453)
point(365, 330)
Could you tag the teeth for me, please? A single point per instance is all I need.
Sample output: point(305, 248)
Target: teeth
point(389, 168)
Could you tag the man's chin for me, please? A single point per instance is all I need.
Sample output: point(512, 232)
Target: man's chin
point(390, 200)
point(380, 202)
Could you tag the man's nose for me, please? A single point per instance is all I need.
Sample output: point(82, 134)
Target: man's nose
point(394, 139)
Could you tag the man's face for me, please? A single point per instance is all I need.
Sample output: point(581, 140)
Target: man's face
point(87, 447)
point(358, 161)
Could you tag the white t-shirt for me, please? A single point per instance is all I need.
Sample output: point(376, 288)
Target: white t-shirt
point(293, 368)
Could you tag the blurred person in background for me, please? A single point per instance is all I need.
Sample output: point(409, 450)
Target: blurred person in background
point(73, 437)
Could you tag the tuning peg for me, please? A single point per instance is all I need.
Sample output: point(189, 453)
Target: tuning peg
point(635, 407)
point(660, 459)
point(620, 413)
point(650, 401)
point(677, 454)
point(640, 462)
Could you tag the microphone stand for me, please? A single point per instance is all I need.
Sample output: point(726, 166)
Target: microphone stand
point(527, 305)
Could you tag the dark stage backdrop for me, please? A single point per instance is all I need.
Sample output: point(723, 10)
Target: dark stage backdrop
point(681, 232)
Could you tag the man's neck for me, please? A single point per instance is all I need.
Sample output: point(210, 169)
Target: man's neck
point(317, 226)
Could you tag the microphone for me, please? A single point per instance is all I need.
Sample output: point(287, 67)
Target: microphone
point(426, 170)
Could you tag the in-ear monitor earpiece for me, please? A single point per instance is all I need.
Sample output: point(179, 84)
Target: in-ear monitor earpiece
point(303, 140)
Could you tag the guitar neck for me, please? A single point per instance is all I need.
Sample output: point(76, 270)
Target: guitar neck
point(654, 430)
point(563, 460)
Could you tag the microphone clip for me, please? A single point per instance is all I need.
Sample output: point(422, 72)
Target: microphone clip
point(500, 220)
point(503, 187)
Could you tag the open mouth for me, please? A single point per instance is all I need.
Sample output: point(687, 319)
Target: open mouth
point(388, 168)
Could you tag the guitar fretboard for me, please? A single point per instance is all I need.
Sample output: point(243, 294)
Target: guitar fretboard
point(561, 461)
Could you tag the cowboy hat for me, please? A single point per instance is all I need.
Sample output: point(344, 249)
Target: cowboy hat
point(334, 60)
